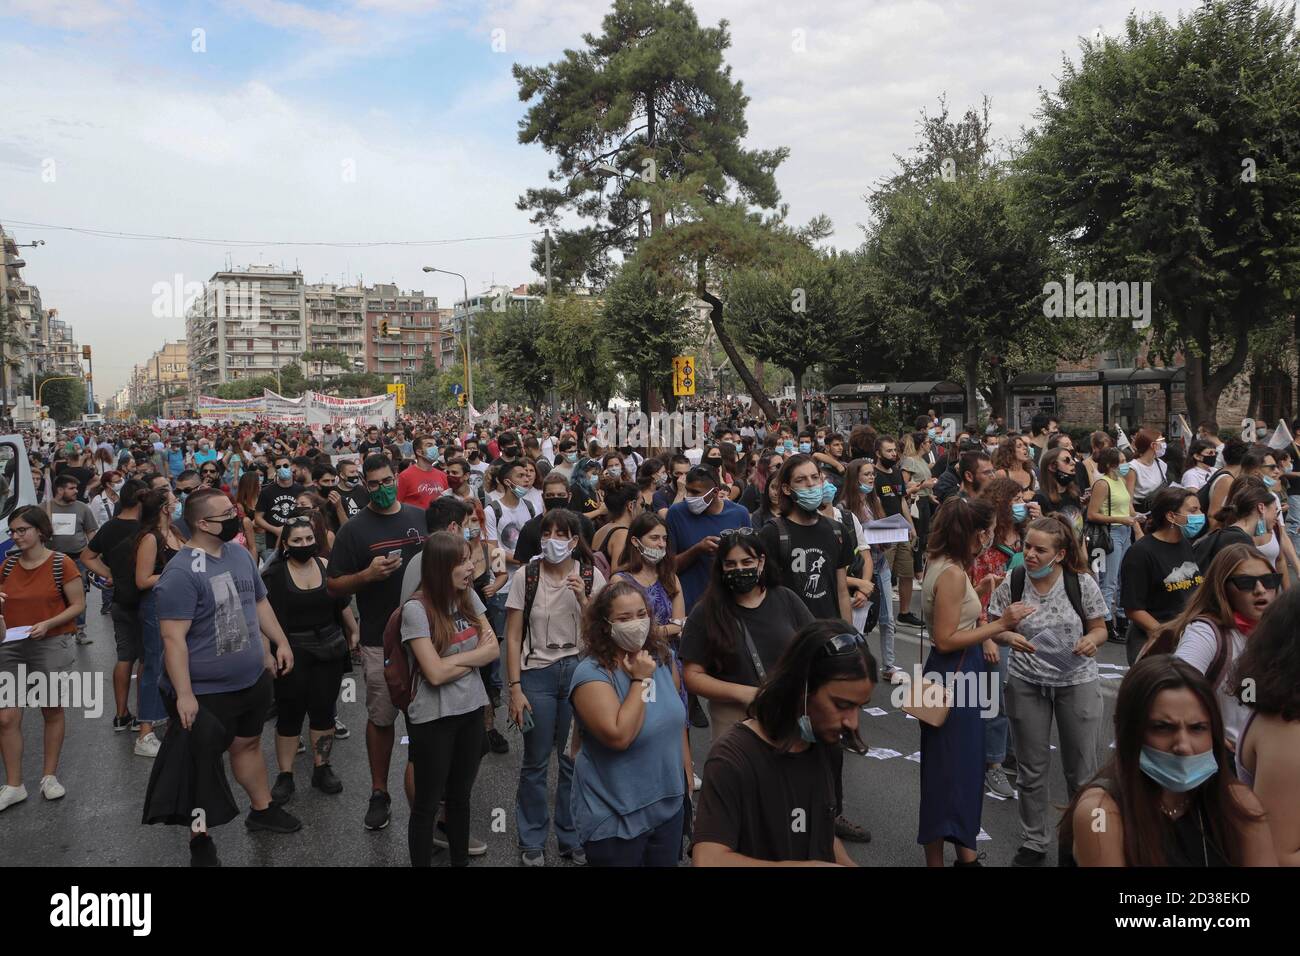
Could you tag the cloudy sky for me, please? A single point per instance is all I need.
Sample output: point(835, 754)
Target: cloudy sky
point(240, 120)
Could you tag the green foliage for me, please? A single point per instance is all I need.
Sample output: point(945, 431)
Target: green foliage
point(511, 339)
point(645, 322)
point(66, 397)
point(1171, 155)
point(574, 347)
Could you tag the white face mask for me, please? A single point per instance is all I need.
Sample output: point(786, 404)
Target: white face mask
point(556, 550)
point(651, 555)
point(630, 635)
point(700, 505)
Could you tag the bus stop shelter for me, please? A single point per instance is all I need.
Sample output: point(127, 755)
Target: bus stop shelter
point(1033, 393)
point(850, 404)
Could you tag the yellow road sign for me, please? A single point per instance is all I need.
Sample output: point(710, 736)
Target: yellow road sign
point(398, 389)
point(684, 375)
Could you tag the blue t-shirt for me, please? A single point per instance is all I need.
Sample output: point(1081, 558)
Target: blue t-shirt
point(176, 461)
point(201, 456)
point(218, 596)
point(625, 793)
point(686, 529)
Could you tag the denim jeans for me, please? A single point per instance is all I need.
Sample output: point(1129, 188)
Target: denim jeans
point(148, 700)
point(1293, 520)
point(496, 616)
point(997, 729)
point(887, 625)
point(1121, 537)
point(661, 846)
point(547, 690)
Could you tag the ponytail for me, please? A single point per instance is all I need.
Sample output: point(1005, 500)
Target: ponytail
point(1066, 540)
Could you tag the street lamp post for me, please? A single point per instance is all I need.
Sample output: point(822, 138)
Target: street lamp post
point(469, 378)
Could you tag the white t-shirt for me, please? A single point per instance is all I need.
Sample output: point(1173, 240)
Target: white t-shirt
point(1195, 477)
point(548, 448)
point(1198, 646)
point(506, 531)
point(1149, 477)
point(556, 620)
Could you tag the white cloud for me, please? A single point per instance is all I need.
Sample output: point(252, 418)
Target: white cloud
point(77, 15)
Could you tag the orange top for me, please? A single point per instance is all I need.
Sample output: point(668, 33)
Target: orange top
point(33, 596)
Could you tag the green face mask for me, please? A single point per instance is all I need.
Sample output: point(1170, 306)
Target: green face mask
point(384, 496)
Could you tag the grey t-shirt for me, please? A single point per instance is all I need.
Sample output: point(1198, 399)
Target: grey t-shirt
point(218, 596)
point(1055, 614)
point(73, 524)
point(462, 695)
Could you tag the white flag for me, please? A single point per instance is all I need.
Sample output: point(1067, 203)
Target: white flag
point(1121, 441)
point(1282, 437)
point(474, 413)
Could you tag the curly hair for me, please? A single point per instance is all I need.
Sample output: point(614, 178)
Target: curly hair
point(596, 634)
point(1000, 493)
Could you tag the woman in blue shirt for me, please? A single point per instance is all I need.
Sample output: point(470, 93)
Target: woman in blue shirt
point(634, 768)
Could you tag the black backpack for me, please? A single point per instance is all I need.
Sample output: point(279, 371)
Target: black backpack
point(1073, 591)
point(532, 575)
point(1203, 493)
point(495, 505)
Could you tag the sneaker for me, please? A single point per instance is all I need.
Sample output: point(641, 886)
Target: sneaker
point(378, 815)
point(135, 724)
point(497, 742)
point(105, 607)
point(302, 747)
point(203, 851)
point(476, 846)
point(978, 861)
point(894, 675)
point(1010, 765)
point(147, 746)
point(1027, 857)
point(282, 792)
point(123, 723)
point(341, 731)
point(11, 795)
point(83, 637)
point(995, 781)
point(274, 818)
point(51, 789)
point(532, 858)
point(910, 619)
point(846, 829)
point(577, 856)
point(324, 779)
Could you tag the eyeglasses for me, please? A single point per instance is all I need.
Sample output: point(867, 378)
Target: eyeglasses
point(843, 644)
point(386, 483)
point(1247, 582)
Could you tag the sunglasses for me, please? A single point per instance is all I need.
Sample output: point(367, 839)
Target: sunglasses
point(843, 644)
point(1247, 582)
point(733, 533)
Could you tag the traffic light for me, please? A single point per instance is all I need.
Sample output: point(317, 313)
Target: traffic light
point(460, 399)
point(85, 351)
point(383, 327)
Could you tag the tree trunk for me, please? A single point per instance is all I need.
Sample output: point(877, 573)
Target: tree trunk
point(738, 363)
point(1205, 386)
point(802, 420)
point(972, 386)
point(651, 132)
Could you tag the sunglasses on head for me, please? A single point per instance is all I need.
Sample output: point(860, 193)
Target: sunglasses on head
point(843, 644)
point(1247, 582)
point(733, 533)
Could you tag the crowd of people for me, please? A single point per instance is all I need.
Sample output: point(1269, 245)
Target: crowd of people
point(608, 600)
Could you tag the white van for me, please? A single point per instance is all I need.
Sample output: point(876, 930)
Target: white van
point(16, 488)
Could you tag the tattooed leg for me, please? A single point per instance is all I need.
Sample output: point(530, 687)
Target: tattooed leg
point(322, 742)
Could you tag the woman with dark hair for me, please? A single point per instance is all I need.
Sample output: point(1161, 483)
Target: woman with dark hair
point(156, 543)
point(651, 477)
point(445, 629)
point(1159, 573)
point(648, 565)
point(1110, 503)
point(1250, 515)
point(313, 506)
point(249, 487)
point(1058, 490)
point(1149, 473)
point(738, 629)
point(1216, 626)
point(1098, 442)
point(1012, 461)
point(1060, 681)
point(321, 632)
point(544, 609)
point(1167, 797)
point(785, 761)
point(622, 501)
point(633, 774)
point(1266, 677)
point(755, 492)
point(770, 505)
point(863, 506)
point(952, 754)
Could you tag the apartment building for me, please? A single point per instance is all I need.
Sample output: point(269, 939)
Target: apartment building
point(336, 319)
point(414, 326)
point(162, 384)
point(248, 322)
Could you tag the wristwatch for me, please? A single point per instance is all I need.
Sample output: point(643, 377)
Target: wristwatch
point(679, 621)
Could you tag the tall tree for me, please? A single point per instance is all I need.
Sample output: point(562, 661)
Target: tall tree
point(645, 323)
point(650, 97)
point(513, 343)
point(1171, 155)
point(577, 350)
point(66, 397)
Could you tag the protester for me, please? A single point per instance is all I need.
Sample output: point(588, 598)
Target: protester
point(891, 491)
point(1110, 504)
point(74, 524)
point(694, 526)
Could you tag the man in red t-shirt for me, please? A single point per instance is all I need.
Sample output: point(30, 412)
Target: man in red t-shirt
point(421, 483)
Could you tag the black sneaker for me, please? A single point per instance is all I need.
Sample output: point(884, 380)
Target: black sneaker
point(1027, 857)
point(378, 814)
point(274, 818)
point(498, 743)
point(910, 619)
point(203, 851)
point(282, 791)
point(341, 731)
point(123, 723)
point(324, 779)
point(846, 829)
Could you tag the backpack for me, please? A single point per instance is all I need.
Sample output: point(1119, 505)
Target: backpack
point(495, 505)
point(532, 577)
point(1203, 493)
point(1073, 591)
point(11, 559)
point(784, 536)
point(400, 671)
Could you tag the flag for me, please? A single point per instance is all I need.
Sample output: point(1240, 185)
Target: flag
point(1282, 437)
point(1122, 440)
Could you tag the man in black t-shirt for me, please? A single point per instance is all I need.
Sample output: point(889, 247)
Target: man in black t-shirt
point(815, 561)
point(892, 491)
point(276, 500)
point(372, 444)
point(765, 775)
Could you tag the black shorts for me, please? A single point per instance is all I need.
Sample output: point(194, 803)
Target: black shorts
point(241, 712)
point(128, 633)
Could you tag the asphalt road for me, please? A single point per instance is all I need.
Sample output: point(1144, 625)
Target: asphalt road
point(98, 822)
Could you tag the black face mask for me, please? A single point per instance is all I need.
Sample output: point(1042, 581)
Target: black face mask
point(229, 528)
point(510, 452)
point(714, 462)
point(1209, 460)
point(740, 580)
point(553, 503)
point(300, 552)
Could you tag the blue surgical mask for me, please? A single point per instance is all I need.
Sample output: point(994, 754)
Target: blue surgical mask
point(469, 533)
point(806, 731)
point(1042, 572)
point(284, 474)
point(1019, 511)
point(828, 493)
point(1194, 525)
point(1176, 773)
point(178, 510)
point(805, 447)
point(809, 499)
point(1124, 469)
point(789, 444)
point(1269, 482)
point(571, 457)
point(866, 489)
point(932, 433)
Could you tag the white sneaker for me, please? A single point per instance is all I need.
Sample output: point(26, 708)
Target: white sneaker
point(83, 637)
point(11, 795)
point(147, 746)
point(51, 789)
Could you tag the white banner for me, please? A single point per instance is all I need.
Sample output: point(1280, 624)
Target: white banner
point(339, 413)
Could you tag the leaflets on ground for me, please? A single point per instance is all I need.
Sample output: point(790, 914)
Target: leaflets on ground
point(889, 530)
point(883, 753)
point(875, 711)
